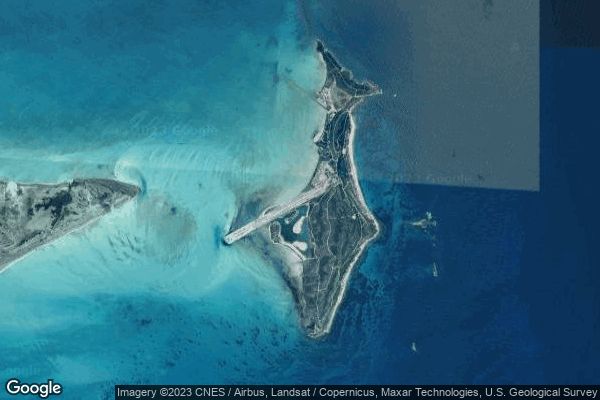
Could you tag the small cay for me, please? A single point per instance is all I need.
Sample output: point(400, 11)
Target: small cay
point(32, 215)
point(323, 231)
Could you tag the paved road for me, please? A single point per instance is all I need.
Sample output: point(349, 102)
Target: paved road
point(277, 212)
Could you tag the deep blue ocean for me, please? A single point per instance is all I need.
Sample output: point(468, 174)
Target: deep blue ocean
point(191, 103)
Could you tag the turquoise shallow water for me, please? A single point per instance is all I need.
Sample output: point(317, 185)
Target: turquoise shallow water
point(191, 103)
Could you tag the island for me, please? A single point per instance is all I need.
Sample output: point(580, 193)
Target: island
point(32, 215)
point(322, 233)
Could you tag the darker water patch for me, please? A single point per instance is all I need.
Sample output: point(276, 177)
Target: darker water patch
point(143, 185)
point(217, 236)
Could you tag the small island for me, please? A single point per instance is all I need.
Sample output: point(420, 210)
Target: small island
point(323, 232)
point(32, 215)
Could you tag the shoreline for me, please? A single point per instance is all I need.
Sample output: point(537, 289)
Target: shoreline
point(104, 196)
point(10, 264)
point(326, 96)
point(339, 226)
point(346, 100)
point(362, 249)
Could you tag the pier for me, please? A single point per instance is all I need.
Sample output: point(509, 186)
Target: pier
point(278, 211)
